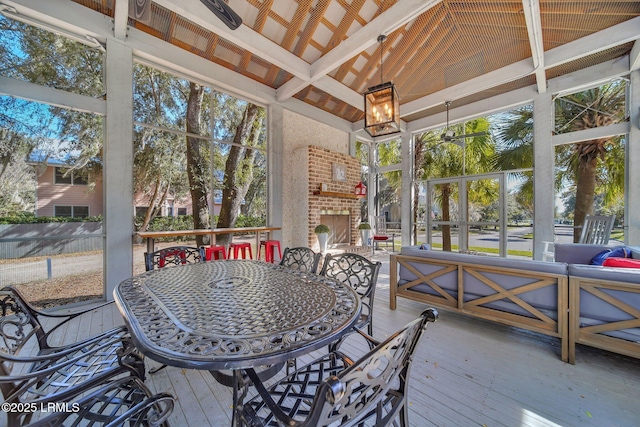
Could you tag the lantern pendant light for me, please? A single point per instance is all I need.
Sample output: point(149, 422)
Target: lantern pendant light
point(381, 105)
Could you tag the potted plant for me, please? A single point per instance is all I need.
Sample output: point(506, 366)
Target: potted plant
point(322, 231)
point(365, 233)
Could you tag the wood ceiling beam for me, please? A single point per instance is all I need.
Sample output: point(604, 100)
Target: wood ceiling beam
point(393, 18)
point(534, 29)
point(634, 57)
point(120, 19)
point(243, 37)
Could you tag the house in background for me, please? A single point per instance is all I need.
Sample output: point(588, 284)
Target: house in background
point(60, 192)
point(172, 206)
point(78, 194)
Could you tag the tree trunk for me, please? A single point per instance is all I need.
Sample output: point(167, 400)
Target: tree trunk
point(585, 192)
point(148, 216)
point(197, 162)
point(446, 228)
point(238, 172)
point(418, 159)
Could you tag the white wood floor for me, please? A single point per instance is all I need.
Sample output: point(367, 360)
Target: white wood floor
point(466, 372)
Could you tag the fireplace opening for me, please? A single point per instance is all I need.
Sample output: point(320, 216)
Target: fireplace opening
point(339, 223)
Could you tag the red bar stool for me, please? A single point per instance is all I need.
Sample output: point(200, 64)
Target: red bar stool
point(214, 252)
point(269, 250)
point(237, 247)
point(262, 243)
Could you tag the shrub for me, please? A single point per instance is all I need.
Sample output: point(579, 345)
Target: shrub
point(322, 228)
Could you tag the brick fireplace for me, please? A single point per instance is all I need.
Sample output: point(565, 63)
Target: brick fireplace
point(332, 179)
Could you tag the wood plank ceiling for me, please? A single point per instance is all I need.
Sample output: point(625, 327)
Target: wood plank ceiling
point(325, 53)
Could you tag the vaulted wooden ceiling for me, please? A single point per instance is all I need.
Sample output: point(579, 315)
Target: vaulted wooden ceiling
point(325, 52)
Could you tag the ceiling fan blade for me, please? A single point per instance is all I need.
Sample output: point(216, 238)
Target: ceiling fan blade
point(472, 135)
point(140, 10)
point(224, 12)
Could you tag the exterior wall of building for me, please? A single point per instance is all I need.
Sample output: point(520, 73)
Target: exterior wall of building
point(50, 194)
point(142, 200)
point(299, 133)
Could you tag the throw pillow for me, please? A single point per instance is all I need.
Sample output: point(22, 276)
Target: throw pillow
point(621, 262)
point(619, 252)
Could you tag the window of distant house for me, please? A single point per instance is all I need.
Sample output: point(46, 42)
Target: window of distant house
point(71, 211)
point(182, 211)
point(141, 210)
point(63, 176)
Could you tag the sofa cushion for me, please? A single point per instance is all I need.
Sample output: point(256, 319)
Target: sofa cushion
point(577, 253)
point(522, 264)
point(604, 273)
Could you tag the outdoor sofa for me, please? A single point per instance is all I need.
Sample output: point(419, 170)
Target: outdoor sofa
point(604, 302)
point(566, 299)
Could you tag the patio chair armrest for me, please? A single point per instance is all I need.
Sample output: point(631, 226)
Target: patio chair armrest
point(164, 401)
point(43, 365)
point(371, 341)
point(109, 402)
point(35, 313)
point(156, 408)
point(118, 333)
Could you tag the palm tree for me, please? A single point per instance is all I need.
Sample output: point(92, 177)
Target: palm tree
point(577, 164)
point(435, 159)
point(600, 106)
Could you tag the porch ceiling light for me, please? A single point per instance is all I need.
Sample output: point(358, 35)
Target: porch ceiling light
point(382, 105)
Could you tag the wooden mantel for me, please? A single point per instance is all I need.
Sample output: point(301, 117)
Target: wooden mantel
point(335, 194)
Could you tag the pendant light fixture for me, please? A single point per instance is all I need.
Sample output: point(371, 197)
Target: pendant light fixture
point(381, 105)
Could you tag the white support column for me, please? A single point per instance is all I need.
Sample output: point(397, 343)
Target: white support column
point(371, 182)
point(407, 189)
point(118, 167)
point(543, 173)
point(352, 144)
point(632, 211)
point(275, 196)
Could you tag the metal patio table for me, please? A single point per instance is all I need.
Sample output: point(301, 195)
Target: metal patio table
point(234, 315)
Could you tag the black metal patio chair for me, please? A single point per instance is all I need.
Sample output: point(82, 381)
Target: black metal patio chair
point(173, 255)
point(362, 275)
point(301, 258)
point(125, 401)
point(334, 390)
point(33, 371)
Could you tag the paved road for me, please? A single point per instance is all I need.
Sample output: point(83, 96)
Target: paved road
point(515, 239)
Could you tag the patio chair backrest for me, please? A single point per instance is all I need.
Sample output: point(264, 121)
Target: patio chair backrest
point(381, 375)
point(596, 229)
point(301, 258)
point(380, 225)
point(361, 274)
point(173, 255)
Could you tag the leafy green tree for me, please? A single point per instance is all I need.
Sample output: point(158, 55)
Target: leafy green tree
point(37, 56)
point(159, 157)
